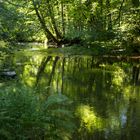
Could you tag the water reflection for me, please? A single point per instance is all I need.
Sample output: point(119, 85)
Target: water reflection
point(105, 92)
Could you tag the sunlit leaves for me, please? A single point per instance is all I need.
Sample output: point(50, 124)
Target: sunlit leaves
point(118, 76)
point(88, 118)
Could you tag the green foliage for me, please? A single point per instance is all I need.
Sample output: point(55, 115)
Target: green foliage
point(26, 115)
point(3, 46)
point(102, 20)
point(17, 23)
point(130, 30)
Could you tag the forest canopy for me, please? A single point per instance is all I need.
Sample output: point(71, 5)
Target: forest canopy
point(66, 21)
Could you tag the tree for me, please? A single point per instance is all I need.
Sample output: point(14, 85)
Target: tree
point(67, 21)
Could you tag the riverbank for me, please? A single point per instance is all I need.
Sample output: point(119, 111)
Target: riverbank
point(90, 49)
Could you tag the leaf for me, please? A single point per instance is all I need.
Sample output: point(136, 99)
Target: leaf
point(56, 99)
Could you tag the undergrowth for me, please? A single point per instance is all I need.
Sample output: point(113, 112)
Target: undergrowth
point(25, 115)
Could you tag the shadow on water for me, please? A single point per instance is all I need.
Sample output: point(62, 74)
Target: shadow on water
point(105, 92)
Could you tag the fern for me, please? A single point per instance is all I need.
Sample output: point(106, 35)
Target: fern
point(23, 115)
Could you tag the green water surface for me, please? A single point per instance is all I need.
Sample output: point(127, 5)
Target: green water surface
point(105, 91)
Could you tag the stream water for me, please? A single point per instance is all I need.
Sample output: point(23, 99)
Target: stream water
point(105, 91)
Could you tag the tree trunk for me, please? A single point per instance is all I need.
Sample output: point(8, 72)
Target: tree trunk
point(101, 15)
point(109, 18)
point(41, 69)
point(58, 34)
point(63, 69)
point(62, 16)
point(120, 13)
point(43, 24)
point(53, 70)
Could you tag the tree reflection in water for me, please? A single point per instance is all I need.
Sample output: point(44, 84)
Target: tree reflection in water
point(105, 92)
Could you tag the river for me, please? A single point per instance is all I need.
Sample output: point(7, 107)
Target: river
point(105, 91)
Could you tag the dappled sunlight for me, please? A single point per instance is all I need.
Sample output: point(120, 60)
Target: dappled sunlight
point(28, 75)
point(30, 71)
point(124, 27)
point(88, 118)
point(131, 92)
point(36, 59)
point(127, 91)
point(118, 76)
point(48, 68)
point(69, 69)
point(94, 6)
point(101, 92)
point(30, 81)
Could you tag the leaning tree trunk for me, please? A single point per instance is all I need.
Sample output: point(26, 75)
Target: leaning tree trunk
point(43, 24)
point(50, 8)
